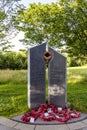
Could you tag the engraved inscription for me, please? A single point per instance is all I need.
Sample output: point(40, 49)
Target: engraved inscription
point(36, 82)
point(56, 90)
point(57, 79)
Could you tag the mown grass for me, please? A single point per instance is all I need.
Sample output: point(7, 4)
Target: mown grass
point(77, 88)
point(13, 90)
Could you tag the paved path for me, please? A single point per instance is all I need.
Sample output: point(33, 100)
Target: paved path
point(7, 124)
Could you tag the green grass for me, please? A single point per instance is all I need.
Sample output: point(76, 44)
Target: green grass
point(13, 90)
point(77, 88)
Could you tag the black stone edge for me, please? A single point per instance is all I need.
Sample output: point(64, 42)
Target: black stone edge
point(51, 123)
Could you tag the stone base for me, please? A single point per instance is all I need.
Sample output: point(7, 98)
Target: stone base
point(40, 122)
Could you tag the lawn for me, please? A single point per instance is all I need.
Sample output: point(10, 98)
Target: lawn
point(13, 90)
point(77, 87)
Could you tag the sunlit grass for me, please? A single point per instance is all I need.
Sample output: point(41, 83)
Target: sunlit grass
point(13, 76)
point(77, 87)
point(13, 99)
point(13, 90)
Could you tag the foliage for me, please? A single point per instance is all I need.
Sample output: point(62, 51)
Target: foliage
point(13, 60)
point(75, 34)
point(62, 24)
point(40, 22)
point(75, 61)
point(18, 60)
point(13, 90)
point(8, 14)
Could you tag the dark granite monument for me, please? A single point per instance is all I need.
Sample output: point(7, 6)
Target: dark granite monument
point(55, 111)
point(51, 113)
point(57, 79)
point(36, 77)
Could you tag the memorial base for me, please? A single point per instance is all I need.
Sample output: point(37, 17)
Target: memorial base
point(40, 122)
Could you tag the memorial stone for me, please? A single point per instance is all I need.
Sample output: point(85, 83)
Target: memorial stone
point(36, 76)
point(53, 112)
point(57, 79)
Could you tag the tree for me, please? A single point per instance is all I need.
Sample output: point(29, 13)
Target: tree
point(62, 24)
point(75, 34)
point(8, 14)
point(13, 60)
point(41, 22)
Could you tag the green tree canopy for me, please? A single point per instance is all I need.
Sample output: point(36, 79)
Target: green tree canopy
point(8, 14)
point(62, 24)
point(75, 34)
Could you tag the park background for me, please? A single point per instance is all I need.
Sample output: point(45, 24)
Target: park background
point(24, 24)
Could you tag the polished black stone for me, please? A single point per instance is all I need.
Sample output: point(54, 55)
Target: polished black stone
point(57, 79)
point(36, 76)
